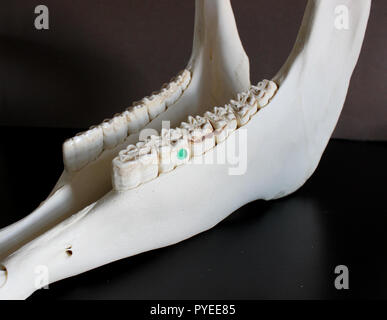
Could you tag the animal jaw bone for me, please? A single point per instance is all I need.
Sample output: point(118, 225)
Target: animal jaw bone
point(285, 142)
point(218, 69)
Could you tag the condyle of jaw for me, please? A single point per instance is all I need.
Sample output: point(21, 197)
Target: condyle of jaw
point(285, 142)
point(217, 70)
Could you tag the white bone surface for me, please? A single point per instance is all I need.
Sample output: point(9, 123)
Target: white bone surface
point(285, 142)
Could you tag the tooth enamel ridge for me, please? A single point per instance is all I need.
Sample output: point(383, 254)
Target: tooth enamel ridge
point(147, 159)
point(87, 146)
point(223, 121)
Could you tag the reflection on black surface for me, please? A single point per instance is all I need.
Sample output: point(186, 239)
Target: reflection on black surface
point(283, 249)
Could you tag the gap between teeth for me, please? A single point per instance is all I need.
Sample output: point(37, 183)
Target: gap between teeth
point(147, 159)
point(86, 146)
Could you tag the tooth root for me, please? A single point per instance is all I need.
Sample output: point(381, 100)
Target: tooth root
point(223, 121)
point(137, 117)
point(264, 91)
point(200, 134)
point(83, 148)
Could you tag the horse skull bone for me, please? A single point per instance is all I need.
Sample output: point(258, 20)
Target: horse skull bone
point(285, 142)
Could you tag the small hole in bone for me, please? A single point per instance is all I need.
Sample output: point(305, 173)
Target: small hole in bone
point(3, 275)
point(69, 252)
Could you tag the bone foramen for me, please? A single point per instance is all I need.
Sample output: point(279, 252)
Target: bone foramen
point(87, 146)
point(144, 161)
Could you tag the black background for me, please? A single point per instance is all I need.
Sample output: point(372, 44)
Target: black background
point(100, 56)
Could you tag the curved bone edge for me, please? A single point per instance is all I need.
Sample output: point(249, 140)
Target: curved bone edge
point(136, 222)
point(196, 136)
point(211, 84)
point(87, 146)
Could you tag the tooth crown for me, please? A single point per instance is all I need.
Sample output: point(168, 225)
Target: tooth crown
point(244, 107)
point(264, 91)
point(223, 121)
point(197, 128)
point(87, 146)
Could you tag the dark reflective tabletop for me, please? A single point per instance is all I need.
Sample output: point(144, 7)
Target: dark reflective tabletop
point(283, 249)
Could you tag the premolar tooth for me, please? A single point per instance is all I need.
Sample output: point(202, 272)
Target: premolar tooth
point(126, 169)
point(148, 157)
point(223, 121)
point(264, 91)
point(135, 165)
point(83, 148)
point(137, 118)
point(200, 134)
point(171, 143)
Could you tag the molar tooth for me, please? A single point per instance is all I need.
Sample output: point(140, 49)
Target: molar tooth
point(137, 117)
point(223, 121)
point(200, 134)
point(115, 131)
point(244, 107)
point(186, 78)
point(155, 105)
point(171, 92)
point(83, 148)
point(264, 91)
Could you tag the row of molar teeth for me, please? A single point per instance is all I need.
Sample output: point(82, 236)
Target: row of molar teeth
point(87, 146)
point(144, 161)
point(168, 95)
